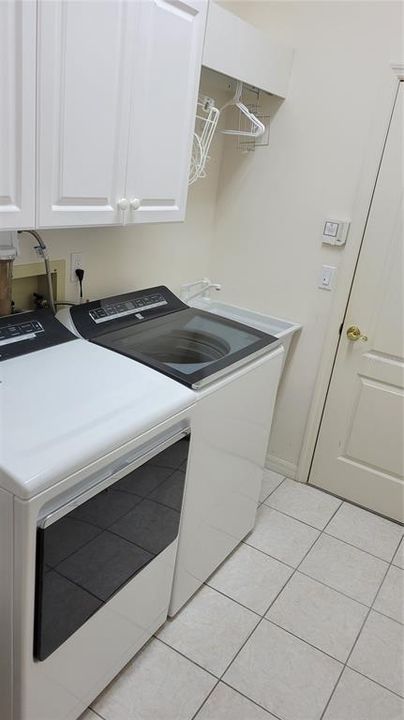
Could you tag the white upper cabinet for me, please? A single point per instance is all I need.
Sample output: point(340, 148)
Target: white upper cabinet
point(239, 50)
point(84, 78)
point(167, 66)
point(17, 114)
point(117, 85)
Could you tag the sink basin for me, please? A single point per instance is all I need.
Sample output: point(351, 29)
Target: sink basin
point(284, 329)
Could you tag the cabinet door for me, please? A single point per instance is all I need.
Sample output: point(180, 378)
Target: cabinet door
point(17, 114)
point(84, 103)
point(167, 66)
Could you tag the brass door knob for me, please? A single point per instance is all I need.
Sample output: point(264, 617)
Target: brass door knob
point(354, 334)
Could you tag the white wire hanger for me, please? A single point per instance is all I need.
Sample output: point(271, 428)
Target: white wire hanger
point(257, 127)
point(206, 120)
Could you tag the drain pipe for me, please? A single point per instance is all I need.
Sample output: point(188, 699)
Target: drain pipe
point(43, 250)
point(6, 274)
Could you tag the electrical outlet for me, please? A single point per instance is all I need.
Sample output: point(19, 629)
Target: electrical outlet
point(77, 261)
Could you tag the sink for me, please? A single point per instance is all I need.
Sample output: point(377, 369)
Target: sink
point(284, 329)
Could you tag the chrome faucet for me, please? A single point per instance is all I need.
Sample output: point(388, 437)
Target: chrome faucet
point(205, 285)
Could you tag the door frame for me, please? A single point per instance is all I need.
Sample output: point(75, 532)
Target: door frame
point(352, 250)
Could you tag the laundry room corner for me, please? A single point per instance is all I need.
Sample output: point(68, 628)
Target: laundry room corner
point(201, 360)
point(325, 143)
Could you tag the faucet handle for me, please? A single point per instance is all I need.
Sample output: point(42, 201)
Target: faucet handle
point(203, 286)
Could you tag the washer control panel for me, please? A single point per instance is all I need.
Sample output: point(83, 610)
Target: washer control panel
point(26, 332)
point(115, 310)
point(113, 313)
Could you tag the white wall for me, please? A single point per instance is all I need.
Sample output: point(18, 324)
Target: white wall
point(266, 249)
point(123, 259)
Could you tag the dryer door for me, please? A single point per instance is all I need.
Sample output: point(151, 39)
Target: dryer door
point(93, 546)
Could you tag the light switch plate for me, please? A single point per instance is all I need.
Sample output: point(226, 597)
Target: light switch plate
point(326, 279)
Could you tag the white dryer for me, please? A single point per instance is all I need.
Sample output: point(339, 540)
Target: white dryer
point(93, 450)
point(234, 371)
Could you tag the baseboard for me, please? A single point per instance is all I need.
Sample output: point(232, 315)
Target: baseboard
point(283, 467)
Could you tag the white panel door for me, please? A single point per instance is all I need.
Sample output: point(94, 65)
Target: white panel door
point(17, 113)
point(166, 79)
point(85, 51)
point(360, 453)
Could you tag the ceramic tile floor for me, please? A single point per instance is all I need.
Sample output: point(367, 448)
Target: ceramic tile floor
point(303, 622)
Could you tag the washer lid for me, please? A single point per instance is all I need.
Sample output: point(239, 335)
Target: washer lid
point(63, 408)
point(191, 346)
point(154, 327)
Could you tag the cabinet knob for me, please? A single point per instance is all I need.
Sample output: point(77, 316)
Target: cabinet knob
point(135, 204)
point(123, 204)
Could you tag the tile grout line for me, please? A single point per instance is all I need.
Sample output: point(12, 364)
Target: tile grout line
point(240, 604)
point(193, 717)
point(330, 587)
point(306, 574)
point(358, 636)
point(95, 713)
point(238, 692)
point(293, 517)
point(343, 501)
point(358, 548)
point(113, 680)
point(311, 577)
point(227, 667)
point(263, 617)
point(288, 581)
point(324, 652)
point(299, 572)
point(218, 679)
point(376, 682)
point(323, 530)
point(295, 570)
point(244, 542)
point(261, 502)
point(179, 652)
point(256, 626)
point(298, 637)
point(371, 606)
point(269, 712)
point(343, 666)
point(379, 612)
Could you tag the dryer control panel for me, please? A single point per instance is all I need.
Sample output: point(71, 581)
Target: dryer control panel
point(26, 332)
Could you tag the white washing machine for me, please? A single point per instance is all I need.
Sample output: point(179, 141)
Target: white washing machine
point(234, 371)
point(93, 452)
